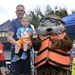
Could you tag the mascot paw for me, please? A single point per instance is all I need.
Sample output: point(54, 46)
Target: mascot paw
point(56, 43)
point(61, 44)
point(36, 42)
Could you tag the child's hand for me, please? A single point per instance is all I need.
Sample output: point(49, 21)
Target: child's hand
point(25, 35)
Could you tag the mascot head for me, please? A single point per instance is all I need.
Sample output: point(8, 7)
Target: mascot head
point(51, 25)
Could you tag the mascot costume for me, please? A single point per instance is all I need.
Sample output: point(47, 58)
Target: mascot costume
point(53, 45)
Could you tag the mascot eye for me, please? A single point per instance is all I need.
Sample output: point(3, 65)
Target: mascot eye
point(42, 25)
point(57, 23)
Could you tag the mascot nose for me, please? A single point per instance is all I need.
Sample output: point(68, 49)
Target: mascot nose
point(49, 29)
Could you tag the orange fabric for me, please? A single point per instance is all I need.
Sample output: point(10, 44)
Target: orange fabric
point(40, 64)
point(53, 56)
point(42, 56)
point(59, 58)
point(20, 42)
point(56, 65)
point(44, 44)
point(58, 37)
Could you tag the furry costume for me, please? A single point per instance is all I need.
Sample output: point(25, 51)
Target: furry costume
point(52, 31)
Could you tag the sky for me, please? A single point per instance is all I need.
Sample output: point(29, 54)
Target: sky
point(7, 7)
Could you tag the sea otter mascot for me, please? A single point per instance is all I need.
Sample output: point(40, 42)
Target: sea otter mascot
point(53, 46)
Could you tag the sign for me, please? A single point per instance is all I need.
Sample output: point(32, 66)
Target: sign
point(3, 34)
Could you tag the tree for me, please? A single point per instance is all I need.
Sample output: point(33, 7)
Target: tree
point(62, 12)
point(49, 10)
point(37, 13)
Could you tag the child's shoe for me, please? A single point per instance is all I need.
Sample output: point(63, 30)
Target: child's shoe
point(15, 58)
point(23, 56)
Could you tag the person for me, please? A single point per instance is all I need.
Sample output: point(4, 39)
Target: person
point(21, 66)
point(2, 59)
point(53, 56)
point(24, 35)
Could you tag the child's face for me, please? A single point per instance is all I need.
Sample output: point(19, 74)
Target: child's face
point(25, 22)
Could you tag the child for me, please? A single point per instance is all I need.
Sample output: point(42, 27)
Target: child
point(2, 59)
point(24, 35)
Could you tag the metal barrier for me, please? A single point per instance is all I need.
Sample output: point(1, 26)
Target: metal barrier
point(7, 69)
point(33, 55)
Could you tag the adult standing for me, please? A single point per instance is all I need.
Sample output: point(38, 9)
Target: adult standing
point(21, 66)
